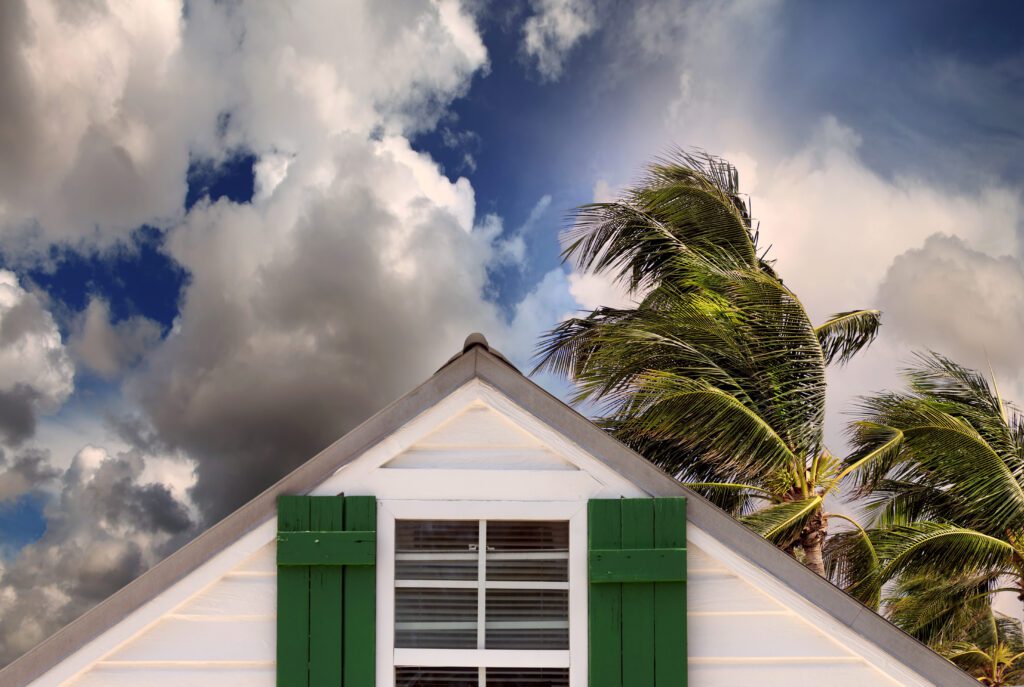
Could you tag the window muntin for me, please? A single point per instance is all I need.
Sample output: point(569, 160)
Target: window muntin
point(448, 596)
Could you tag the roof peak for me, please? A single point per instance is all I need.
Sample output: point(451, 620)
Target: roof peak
point(475, 339)
point(478, 340)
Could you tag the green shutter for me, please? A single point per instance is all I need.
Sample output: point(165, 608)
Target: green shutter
point(326, 591)
point(637, 594)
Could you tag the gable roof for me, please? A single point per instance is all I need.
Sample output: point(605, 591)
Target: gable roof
point(478, 361)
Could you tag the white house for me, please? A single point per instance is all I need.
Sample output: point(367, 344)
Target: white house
point(479, 532)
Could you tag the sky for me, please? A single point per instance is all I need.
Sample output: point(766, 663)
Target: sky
point(231, 231)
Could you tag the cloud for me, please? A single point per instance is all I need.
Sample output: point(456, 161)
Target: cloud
point(100, 109)
point(835, 225)
point(283, 345)
point(551, 32)
point(24, 472)
point(105, 524)
point(108, 348)
point(958, 301)
point(357, 269)
point(36, 373)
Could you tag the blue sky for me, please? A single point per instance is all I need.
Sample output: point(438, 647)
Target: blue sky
point(228, 233)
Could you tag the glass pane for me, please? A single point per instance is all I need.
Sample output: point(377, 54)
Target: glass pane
point(435, 618)
point(527, 550)
point(527, 677)
point(527, 619)
point(436, 549)
point(437, 677)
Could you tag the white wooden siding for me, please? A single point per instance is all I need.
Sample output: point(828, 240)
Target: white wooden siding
point(473, 445)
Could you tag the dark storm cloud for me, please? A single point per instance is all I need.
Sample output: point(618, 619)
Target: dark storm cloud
point(25, 471)
point(16, 123)
point(18, 413)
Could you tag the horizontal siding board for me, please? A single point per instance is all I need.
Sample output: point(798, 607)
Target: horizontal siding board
point(478, 485)
point(724, 593)
point(480, 457)
point(234, 596)
point(170, 676)
point(698, 560)
point(793, 674)
point(757, 636)
point(180, 639)
point(263, 561)
point(478, 427)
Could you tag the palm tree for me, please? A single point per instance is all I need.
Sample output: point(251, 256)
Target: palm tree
point(717, 375)
point(981, 641)
point(993, 653)
point(941, 466)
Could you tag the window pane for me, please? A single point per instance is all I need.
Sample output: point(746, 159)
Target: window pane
point(436, 549)
point(527, 677)
point(435, 618)
point(437, 677)
point(527, 619)
point(527, 550)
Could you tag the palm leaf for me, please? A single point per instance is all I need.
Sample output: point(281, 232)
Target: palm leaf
point(940, 548)
point(781, 524)
point(844, 334)
point(852, 562)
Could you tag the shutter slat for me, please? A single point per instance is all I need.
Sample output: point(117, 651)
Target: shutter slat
point(325, 599)
point(605, 600)
point(324, 547)
point(638, 599)
point(670, 598)
point(359, 657)
point(293, 602)
point(638, 565)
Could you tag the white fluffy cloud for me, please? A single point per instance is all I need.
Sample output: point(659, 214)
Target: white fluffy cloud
point(100, 109)
point(554, 28)
point(835, 225)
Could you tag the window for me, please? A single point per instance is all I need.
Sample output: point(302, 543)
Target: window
point(468, 592)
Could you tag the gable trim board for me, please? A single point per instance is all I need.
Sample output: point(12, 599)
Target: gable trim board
point(712, 529)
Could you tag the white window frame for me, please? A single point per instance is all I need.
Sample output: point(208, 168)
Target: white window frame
point(575, 659)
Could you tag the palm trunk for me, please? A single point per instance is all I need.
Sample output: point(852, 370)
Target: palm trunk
point(812, 539)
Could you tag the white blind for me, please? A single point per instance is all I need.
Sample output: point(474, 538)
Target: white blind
point(515, 597)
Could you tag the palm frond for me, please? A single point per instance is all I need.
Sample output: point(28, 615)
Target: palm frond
point(940, 610)
point(687, 203)
point(704, 419)
point(977, 471)
point(736, 499)
point(852, 563)
point(940, 548)
point(781, 524)
point(846, 333)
